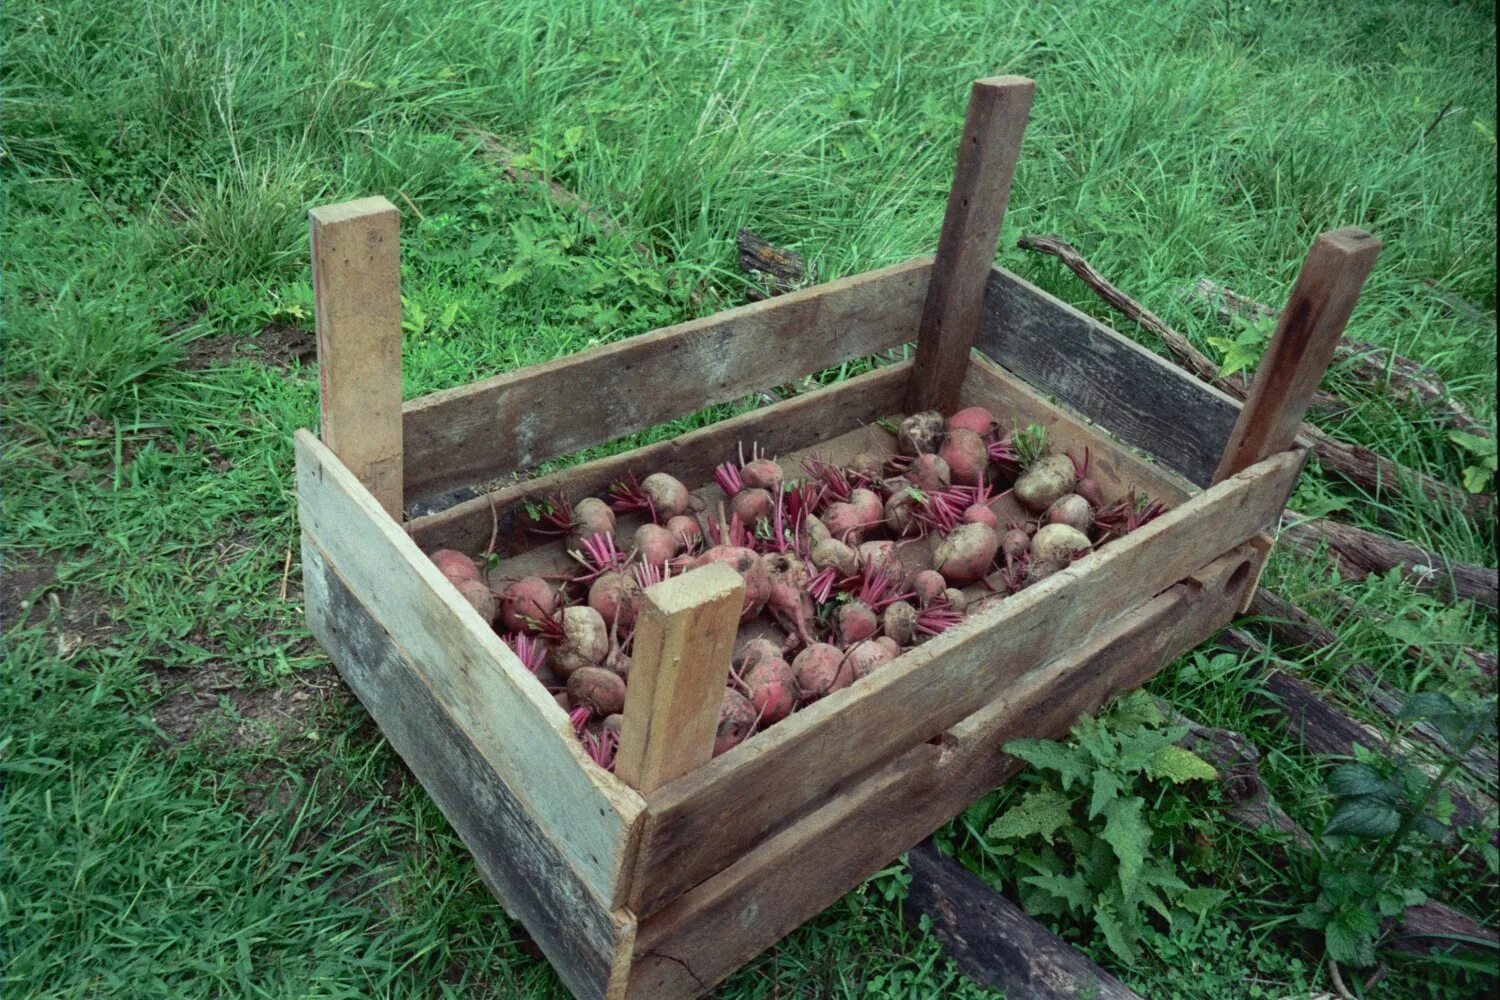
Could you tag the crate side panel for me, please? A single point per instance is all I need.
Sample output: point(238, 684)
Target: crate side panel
point(736, 799)
point(514, 722)
point(517, 859)
point(693, 943)
point(780, 428)
point(1148, 401)
point(522, 418)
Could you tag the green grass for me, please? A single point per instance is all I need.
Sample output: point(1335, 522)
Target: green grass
point(159, 160)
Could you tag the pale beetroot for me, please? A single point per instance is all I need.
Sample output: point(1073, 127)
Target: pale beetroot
point(929, 473)
point(881, 553)
point(615, 595)
point(815, 530)
point(844, 522)
point(666, 494)
point(832, 553)
point(736, 721)
point(864, 658)
point(1015, 543)
point(745, 562)
point(789, 602)
point(597, 689)
point(751, 505)
point(455, 565)
point(920, 433)
point(592, 516)
point(889, 644)
point(613, 723)
point(480, 599)
point(868, 506)
point(899, 621)
point(821, 670)
point(684, 527)
point(585, 640)
point(928, 585)
point(972, 418)
point(967, 456)
point(900, 510)
point(980, 514)
point(956, 599)
point(655, 543)
point(965, 555)
point(526, 602)
point(771, 685)
point(763, 474)
point(1047, 479)
point(1039, 569)
point(1058, 543)
point(854, 621)
point(867, 465)
point(1073, 510)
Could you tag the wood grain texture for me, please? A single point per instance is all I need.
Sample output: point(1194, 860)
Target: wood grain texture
point(1302, 347)
point(356, 261)
point(512, 720)
point(993, 941)
point(691, 944)
point(987, 154)
point(520, 419)
point(737, 799)
point(684, 638)
point(780, 428)
point(519, 861)
point(1147, 401)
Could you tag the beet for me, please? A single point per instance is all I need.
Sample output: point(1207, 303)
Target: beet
point(868, 506)
point(836, 554)
point(762, 474)
point(972, 418)
point(618, 662)
point(853, 621)
point(751, 505)
point(967, 456)
point(585, 641)
point(614, 723)
point(929, 473)
point(592, 516)
point(1046, 480)
point(772, 687)
point(455, 565)
point(984, 604)
point(844, 522)
point(685, 529)
point(900, 507)
point(965, 555)
point(889, 644)
point(899, 622)
point(1038, 570)
point(753, 652)
point(655, 544)
point(864, 658)
point(745, 562)
point(792, 607)
point(668, 497)
point(868, 465)
point(821, 670)
point(1015, 543)
point(597, 689)
point(1072, 510)
point(920, 433)
point(956, 599)
point(881, 553)
point(1088, 488)
point(531, 598)
point(480, 599)
point(736, 721)
point(615, 595)
point(980, 514)
point(1058, 543)
point(815, 530)
point(928, 586)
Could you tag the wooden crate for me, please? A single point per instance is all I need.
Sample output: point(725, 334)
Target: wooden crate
point(662, 885)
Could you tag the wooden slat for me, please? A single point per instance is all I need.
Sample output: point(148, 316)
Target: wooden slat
point(779, 428)
point(684, 638)
point(1300, 351)
point(357, 289)
point(987, 154)
point(522, 418)
point(690, 945)
point(514, 723)
point(1147, 401)
point(518, 860)
point(738, 798)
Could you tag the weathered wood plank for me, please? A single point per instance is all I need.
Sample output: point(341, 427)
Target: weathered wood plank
point(684, 638)
point(518, 860)
point(987, 153)
point(736, 799)
point(993, 941)
point(1302, 347)
point(506, 711)
point(779, 428)
point(1147, 401)
point(356, 260)
point(517, 420)
point(691, 944)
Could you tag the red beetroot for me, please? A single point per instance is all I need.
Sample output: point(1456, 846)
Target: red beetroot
point(455, 565)
point(525, 602)
point(753, 652)
point(864, 658)
point(480, 599)
point(967, 456)
point(867, 465)
point(772, 688)
point(666, 494)
point(745, 562)
point(762, 473)
point(981, 514)
point(844, 522)
point(929, 473)
point(972, 418)
point(685, 529)
point(736, 721)
point(854, 621)
point(592, 516)
point(821, 670)
point(928, 586)
point(615, 595)
point(655, 544)
point(889, 644)
point(867, 506)
point(597, 689)
point(789, 602)
point(1073, 510)
point(1015, 543)
point(1089, 489)
point(751, 505)
point(965, 555)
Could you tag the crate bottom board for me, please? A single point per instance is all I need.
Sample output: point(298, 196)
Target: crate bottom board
point(685, 948)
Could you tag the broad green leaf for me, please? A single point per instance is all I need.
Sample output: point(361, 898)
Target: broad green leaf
point(1359, 779)
point(1115, 935)
point(1040, 812)
point(1135, 710)
point(1047, 755)
point(1179, 765)
point(1427, 705)
point(1365, 816)
point(1347, 946)
point(1128, 834)
point(1202, 900)
point(1477, 478)
point(1071, 889)
point(1138, 749)
point(1106, 788)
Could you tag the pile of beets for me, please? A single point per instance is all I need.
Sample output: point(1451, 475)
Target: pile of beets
point(845, 567)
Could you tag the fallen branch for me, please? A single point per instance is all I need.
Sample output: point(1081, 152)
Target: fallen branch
point(993, 941)
point(773, 270)
point(1409, 382)
point(1359, 465)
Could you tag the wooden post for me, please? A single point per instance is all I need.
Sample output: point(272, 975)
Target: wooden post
point(1309, 329)
point(357, 286)
point(987, 154)
point(684, 638)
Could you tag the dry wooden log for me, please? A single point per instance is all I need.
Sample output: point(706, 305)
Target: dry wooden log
point(773, 270)
point(1483, 661)
point(993, 941)
point(1405, 379)
point(1359, 553)
point(1361, 466)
